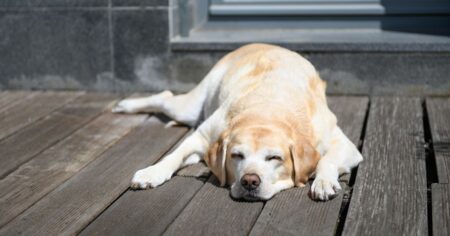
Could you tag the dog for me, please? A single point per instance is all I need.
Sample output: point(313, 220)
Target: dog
point(263, 126)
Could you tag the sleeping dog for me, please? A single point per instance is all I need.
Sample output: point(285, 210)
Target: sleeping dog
point(263, 125)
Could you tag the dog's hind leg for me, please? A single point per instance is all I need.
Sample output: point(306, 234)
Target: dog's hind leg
point(184, 108)
point(143, 104)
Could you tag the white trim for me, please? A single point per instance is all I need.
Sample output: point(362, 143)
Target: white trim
point(297, 9)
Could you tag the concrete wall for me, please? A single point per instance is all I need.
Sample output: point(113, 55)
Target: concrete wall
point(123, 45)
point(82, 44)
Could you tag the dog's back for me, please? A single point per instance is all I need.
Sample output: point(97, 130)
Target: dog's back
point(267, 79)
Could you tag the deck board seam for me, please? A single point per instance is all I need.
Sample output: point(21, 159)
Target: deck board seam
point(206, 178)
point(187, 203)
point(71, 220)
point(256, 219)
point(430, 164)
point(43, 150)
point(104, 109)
point(395, 124)
point(81, 93)
point(78, 171)
point(120, 195)
point(336, 105)
point(343, 211)
point(435, 182)
point(169, 149)
point(5, 108)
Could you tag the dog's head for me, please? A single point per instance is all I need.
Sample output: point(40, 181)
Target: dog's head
point(260, 161)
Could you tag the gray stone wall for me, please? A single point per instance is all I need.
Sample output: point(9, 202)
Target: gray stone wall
point(109, 45)
point(124, 45)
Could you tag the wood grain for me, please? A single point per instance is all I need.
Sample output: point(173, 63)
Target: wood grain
point(441, 209)
point(11, 98)
point(390, 191)
point(46, 171)
point(439, 118)
point(25, 113)
point(150, 212)
point(213, 212)
point(292, 212)
point(33, 139)
point(196, 170)
point(71, 206)
point(147, 212)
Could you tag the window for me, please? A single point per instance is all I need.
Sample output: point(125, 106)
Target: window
point(261, 19)
point(294, 7)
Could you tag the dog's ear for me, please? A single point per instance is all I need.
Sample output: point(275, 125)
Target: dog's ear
point(304, 159)
point(215, 158)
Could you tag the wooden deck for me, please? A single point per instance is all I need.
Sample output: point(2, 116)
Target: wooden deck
point(66, 164)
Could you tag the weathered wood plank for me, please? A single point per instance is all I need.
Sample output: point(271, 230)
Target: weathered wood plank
point(71, 206)
point(439, 118)
point(390, 191)
point(11, 98)
point(292, 212)
point(146, 212)
point(46, 171)
point(213, 212)
point(150, 212)
point(440, 194)
point(25, 113)
point(196, 170)
point(31, 140)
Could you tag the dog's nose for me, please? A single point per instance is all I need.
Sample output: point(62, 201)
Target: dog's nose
point(250, 181)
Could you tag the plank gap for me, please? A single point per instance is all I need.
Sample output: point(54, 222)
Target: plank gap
point(213, 212)
point(321, 218)
point(34, 139)
point(101, 212)
point(74, 204)
point(204, 179)
point(389, 195)
point(60, 162)
point(97, 225)
point(26, 113)
point(432, 176)
point(51, 144)
point(348, 192)
point(9, 99)
point(351, 182)
point(430, 162)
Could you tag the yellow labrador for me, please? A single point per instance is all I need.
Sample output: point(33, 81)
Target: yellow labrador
point(266, 128)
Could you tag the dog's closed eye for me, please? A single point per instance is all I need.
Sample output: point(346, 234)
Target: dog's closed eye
point(274, 158)
point(239, 156)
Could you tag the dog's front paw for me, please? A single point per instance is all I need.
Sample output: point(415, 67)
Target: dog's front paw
point(324, 189)
point(150, 177)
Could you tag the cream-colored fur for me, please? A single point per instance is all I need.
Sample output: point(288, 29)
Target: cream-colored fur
point(265, 113)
